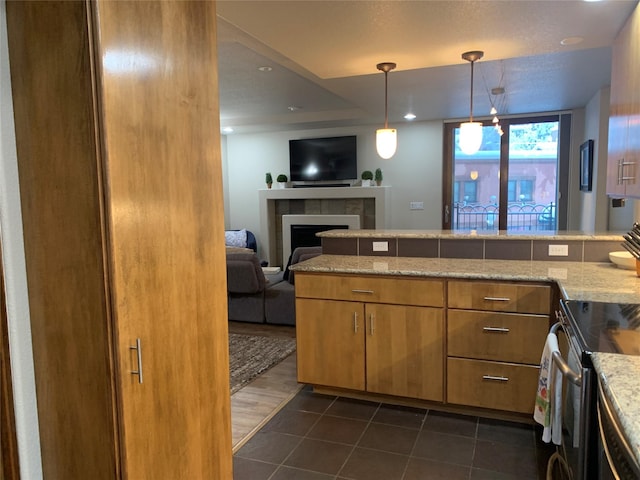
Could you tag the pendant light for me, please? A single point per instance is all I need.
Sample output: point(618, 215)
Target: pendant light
point(386, 138)
point(470, 137)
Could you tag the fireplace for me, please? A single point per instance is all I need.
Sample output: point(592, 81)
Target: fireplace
point(300, 230)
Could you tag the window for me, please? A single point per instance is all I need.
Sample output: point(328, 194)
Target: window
point(514, 177)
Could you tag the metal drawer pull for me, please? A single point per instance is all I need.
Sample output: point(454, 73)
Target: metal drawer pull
point(496, 329)
point(493, 377)
point(372, 320)
point(369, 292)
point(138, 348)
point(497, 299)
point(355, 322)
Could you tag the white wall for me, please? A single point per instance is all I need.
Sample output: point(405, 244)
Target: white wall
point(594, 215)
point(24, 390)
point(414, 172)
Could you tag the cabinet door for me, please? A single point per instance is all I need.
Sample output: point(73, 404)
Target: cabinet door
point(330, 336)
point(405, 351)
point(165, 236)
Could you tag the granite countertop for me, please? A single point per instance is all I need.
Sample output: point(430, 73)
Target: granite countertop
point(619, 376)
point(467, 234)
point(602, 282)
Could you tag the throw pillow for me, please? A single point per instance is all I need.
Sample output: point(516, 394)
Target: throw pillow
point(235, 238)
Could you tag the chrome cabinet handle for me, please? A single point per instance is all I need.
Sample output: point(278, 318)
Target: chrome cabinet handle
point(620, 171)
point(138, 348)
point(355, 322)
point(368, 292)
point(496, 378)
point(496, 329)
point(497, 299)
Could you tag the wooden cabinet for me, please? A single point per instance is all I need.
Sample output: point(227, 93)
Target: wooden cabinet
point(493, 356)
point(116, 119)
point(623, 167)
point(389, 348)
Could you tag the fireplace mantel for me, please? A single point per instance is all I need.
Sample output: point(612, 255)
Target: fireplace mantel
point(270, 219)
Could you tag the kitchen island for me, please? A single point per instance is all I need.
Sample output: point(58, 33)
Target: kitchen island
point(598, 281)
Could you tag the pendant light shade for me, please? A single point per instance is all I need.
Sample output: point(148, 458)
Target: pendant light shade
point(386, 138)
point(386, 142)
point(470, 137)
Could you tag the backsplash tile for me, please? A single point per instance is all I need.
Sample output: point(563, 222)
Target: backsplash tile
point(340, 246)
point(599, 251)
point(541, 250)
point(418, 247)
point(462, 248)
point(366, 247)
point(507, 249)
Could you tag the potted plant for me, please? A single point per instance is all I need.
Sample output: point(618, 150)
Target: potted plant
point(366, 176)
point(378, 177)
point(282, 180)
point(268, 179)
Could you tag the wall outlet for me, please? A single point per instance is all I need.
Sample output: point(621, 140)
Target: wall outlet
point(416, 205)
point(558, 250)
point(380, 246)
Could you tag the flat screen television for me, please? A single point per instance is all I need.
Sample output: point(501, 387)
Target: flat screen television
point(323, 159)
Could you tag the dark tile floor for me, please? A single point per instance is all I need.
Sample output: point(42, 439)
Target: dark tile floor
point(318, 437)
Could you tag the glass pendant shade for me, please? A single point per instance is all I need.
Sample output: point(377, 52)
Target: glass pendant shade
point(386, 142)
point(470, 137)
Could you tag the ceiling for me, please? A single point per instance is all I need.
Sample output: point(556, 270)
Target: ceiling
point(323, 54)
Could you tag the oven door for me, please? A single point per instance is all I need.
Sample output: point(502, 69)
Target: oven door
point(578, 406)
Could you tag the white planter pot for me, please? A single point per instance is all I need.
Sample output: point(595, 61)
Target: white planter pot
point(366, 183)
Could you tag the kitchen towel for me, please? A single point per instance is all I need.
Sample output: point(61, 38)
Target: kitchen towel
point(548, 408)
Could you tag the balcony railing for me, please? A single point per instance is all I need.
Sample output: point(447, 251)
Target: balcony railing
point(520, 216)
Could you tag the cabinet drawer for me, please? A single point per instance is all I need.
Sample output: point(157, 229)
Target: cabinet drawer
point(500, 297)
point(377, 289)
point(506, 337)
point(496, 385)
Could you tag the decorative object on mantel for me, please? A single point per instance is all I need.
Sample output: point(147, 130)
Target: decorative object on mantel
point(268, 179)
point(378, 177)
point(282, 180)
point(470, 137)
point(386, 138)
point(367, 177)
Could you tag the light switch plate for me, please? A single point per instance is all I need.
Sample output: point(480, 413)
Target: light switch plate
point(380, 246)
point(558, 250)
point(416, 205)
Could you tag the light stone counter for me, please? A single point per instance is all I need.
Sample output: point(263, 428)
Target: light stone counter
point(470, 234)
point(602, 282)
point(620, 376)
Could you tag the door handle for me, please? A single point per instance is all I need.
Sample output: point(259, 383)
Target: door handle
point(372, 327)
point(496, 329)
point(138, 348)
point(355, 322)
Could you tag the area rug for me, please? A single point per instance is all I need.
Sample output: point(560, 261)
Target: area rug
point(250, 355)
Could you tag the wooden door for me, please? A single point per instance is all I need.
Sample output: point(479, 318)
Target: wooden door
point(405, 351)
point(164, 213)
point(330, 337)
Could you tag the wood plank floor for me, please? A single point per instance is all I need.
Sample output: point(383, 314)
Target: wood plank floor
point(254, 404)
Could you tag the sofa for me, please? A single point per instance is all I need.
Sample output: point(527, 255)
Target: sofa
point(252, 297)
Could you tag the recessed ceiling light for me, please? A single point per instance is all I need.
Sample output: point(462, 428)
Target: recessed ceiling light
point(571, 41)
point(227, 130)
point(410, 116)
point(265, 69)
point(293, 108)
